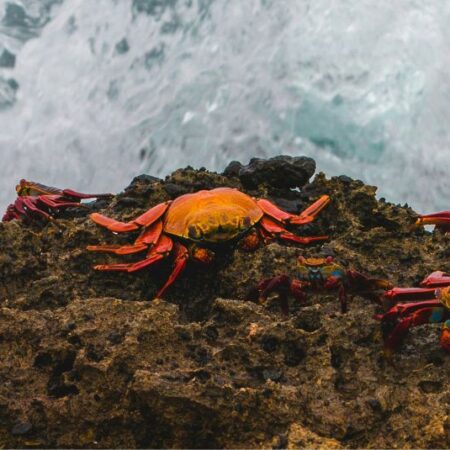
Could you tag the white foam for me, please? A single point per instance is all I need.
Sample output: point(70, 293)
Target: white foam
point(361, 86)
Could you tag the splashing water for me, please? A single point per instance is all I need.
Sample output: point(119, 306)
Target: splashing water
point(94, 93)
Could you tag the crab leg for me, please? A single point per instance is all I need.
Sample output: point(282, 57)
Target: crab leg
point(282, 285)
point(436, 279)
point(118, 249)
point(54, 201)
point(32, 188)
point(402, 310)
point(398, 294)
point(157, 253)
point(310, 213)
point(440, 219)
point(149, 236)
point(81, 196)
point(146, 219)
point(30, 205)
point(181, 257)
point(276, 229)
point(421, 316)
point(306, 216)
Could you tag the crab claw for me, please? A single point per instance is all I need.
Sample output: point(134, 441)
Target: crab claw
point(440, 219)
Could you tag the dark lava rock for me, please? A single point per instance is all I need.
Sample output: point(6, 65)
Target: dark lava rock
point(19, 429)
point(280, 172)
point(92, 360)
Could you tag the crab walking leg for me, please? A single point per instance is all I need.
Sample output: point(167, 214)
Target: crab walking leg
point(113, 225)
point(36, 189)
point(158, 252)
point(53, 201)
point(395, 295)
point(422, 316)
point(306, 216)
point(81, 196)
point(181, 257)
point(440, 219)
point(29, 204)
point(130, 267)
point(275, 229)
point(335, 282)
point(436, 279)
point(146, 219)
point(402, 310)
point(10, 214)
point(149, 236)
point(118, 249)
point(282, 285)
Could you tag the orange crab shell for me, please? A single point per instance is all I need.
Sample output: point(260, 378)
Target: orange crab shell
point(213, 216)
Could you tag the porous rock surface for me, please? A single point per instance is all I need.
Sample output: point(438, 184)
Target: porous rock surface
point(89, 360)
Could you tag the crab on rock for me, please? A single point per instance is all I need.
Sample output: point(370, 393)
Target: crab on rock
point(429, 303)
point(318, 274)
point(37, 200)
point(192, 225)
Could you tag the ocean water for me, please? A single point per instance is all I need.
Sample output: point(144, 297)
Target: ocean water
point(93, 93)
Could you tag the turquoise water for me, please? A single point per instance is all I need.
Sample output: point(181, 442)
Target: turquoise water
point(93, 93)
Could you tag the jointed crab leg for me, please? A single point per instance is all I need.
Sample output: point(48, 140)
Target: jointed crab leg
point(159, 251)
point(429, 314)
point(440, 219)
point(397, 294)
point(282, 285)
point(31, 188)
point(274, 228)
point(149, 236)
point(146, 219)
point(436, 279)
point(306, 216)
point(181, 257)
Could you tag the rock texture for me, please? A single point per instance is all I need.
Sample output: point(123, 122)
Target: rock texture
point(89, 360)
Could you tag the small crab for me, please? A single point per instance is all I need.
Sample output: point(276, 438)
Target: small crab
point(37, 200)
point(429, 303)
point(194, 225)
point(440, 219)
point(318, 274)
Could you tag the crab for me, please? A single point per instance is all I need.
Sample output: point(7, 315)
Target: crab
point(37, 200)
point(194, 225)
point(429, 303)
point(440, 219)
point(318, 274)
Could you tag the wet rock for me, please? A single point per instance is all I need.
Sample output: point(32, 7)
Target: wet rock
point(280, 172)
point(19, 429)
point(91, 359)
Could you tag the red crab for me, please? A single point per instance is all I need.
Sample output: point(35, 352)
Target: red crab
point(37, 200)
point(317, 274)
point(192, 225)
point(428, 304)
